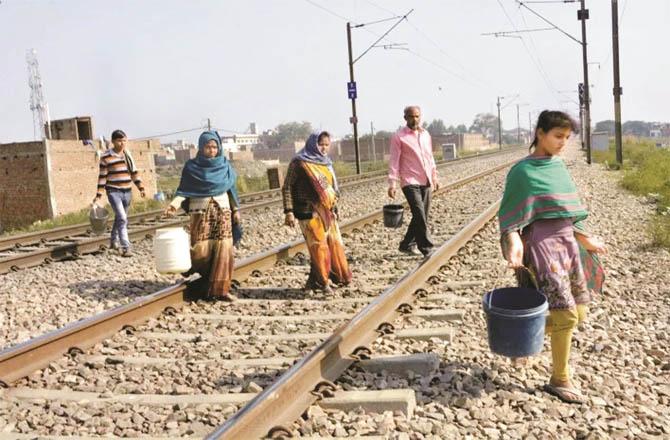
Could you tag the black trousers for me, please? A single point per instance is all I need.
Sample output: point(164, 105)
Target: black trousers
point(418, 198)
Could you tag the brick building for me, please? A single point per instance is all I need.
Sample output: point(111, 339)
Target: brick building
point(184, 154)
point(44, 179)
point(79, 127)
point(468, 141)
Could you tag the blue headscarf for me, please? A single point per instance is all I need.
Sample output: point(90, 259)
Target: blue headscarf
point(207, 177)
point(310, 153)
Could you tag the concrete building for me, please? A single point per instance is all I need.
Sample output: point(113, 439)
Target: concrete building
point(79, 128)
point(43, 179)
point(283, 154)
point(467, 141)
point(240, 142)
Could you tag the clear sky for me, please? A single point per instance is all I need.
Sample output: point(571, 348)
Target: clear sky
point(159, 66)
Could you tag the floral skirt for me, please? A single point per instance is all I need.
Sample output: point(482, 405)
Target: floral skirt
point(326, 252)
point(212, 248)
point(552, 253)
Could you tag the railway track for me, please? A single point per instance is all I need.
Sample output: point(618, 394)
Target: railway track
point(196, 365)
point(69, 242)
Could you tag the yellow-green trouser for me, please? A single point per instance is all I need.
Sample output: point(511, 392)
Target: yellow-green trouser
point(560, 325)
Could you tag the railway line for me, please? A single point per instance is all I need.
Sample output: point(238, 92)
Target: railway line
point(189, 368)
point(70, 242)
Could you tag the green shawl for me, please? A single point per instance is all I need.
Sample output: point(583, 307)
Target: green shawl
point(539, 188)
point(542, 188)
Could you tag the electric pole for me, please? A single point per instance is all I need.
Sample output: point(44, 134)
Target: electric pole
point(530, 128)
point(372, 139)
point(518, 126)
point(617, 82)
point(499, 126)
point(209, 124)
point(351, 86)
point(580, 94)
point(352, 95)
point(583, 15)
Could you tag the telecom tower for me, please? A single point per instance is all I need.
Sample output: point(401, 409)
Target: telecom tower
point(38, 104)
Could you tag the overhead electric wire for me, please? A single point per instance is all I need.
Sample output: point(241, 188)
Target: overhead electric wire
point(439, 48)
point(169, 134)
point(418, 55)
point(537, 53)
point(550, 23)
point(530, 55)
point(331, 12)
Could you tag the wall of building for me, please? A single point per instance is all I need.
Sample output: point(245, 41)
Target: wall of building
point(77, 128)
point(181, 156)
point(284, 155)
point(75, 169)
point(246, 156)
point(466, 141)
point(24, 192)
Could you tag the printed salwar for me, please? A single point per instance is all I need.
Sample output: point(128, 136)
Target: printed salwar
point(212, 248)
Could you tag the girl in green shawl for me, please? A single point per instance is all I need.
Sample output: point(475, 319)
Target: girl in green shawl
point(541, 227)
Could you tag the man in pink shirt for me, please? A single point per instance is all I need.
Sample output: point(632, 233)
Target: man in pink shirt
point(412, 166)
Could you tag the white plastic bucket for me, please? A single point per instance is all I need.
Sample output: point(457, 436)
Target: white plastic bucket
point(98, 216)
point(172, 250)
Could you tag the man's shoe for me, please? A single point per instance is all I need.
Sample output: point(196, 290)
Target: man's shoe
point(412, 250)
point(126, 252)
point(428, 253)
point(114, 245)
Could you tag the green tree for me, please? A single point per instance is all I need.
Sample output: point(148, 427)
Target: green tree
point(486, 124)
point(287, 133)
point(636, 128)
point(461, 128)
point(607, 126)
point(436, 128)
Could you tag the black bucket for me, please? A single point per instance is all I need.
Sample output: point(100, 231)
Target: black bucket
point(393, 215)
point(515, 318)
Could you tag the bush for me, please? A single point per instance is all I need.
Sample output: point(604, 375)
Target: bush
point(646, 173)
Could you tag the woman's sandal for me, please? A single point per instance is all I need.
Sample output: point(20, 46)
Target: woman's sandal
point(228, 297)
point(519, 362)
point(566, 394)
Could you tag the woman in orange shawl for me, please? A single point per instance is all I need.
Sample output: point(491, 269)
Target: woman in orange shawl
point(310, 194)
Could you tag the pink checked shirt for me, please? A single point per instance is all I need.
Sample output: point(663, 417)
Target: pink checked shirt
point(411, 159)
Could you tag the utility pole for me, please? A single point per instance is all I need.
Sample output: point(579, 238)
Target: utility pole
point(209, 124)
point(352, 96)
point(583, 15)
point(499, 126)
point(372, 139)
point(351, 86)
point(580, 95)
point(530, 128)
point(617, 82)
point(518, 126)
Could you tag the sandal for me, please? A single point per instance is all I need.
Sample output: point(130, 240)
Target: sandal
point(520, 362)
point(567, 395)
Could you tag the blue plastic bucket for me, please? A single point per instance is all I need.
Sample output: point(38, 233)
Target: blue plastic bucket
point(515, 318)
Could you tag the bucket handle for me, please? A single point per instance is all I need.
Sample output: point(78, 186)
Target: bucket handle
point(530, 273)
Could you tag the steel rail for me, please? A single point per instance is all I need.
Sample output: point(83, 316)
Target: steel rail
point(35, 238)
point(295, 390)
point(24, 358)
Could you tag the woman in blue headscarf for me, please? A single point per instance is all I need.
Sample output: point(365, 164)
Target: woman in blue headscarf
point(207, 193)
point(310, 195)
